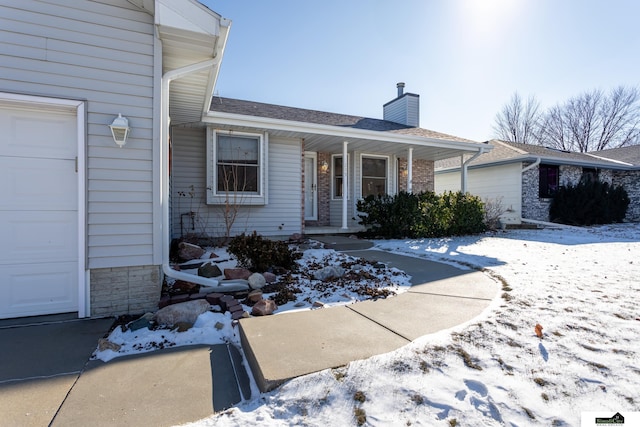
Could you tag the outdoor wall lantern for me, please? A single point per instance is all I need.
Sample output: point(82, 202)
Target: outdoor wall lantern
point(324, 166)
point(120, 130)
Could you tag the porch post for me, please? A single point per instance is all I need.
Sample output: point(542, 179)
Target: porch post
point(463, 174)
point(410, 170)
point(345, 186)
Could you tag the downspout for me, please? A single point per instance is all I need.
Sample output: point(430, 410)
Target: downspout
point(463, 175)
point(410, 170)
point(532, 165)
point(167, 78)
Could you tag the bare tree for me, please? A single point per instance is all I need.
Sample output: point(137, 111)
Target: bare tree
point(593, 121)
point(518, 120)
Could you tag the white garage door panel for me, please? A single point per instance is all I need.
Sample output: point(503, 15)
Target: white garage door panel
point(43, 288)
point(32, 183)
point(39, 254)
point(37, 133)
point(38, 236)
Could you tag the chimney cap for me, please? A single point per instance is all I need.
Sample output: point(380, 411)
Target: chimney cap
point(400, 87)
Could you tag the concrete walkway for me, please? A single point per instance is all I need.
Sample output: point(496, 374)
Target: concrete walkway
point(46, 377)
point(289, 345)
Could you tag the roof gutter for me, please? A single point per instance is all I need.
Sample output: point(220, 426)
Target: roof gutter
point(532, 165)
point(231, 119)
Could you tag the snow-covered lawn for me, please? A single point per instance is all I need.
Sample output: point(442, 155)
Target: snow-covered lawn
point(581, 285)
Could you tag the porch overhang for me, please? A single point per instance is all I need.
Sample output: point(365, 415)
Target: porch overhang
point(189, 33)
point(327, 138)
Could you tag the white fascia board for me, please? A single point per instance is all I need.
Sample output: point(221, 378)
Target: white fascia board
point(340, 132)
point(187, 15)
point(545, 160)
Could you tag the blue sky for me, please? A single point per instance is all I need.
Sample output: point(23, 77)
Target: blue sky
point(465, 58)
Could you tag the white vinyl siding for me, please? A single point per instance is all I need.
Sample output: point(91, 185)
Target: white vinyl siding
point(496, 182)
point(280, 216)
point(101, 52)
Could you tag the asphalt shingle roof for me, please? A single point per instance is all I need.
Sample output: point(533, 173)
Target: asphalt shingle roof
point(630, 154)
point(272, 111)
point(504, 151)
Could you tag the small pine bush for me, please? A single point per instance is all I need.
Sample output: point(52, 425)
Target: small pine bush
point(259, 254)
point(589, 202)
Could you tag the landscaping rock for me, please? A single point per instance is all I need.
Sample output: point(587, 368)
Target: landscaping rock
point(264, 307)
point(142, 322)
point(328, 272)
point(214, 298)
point(180, 286)
point(269, 277)
point(236, 273)
point(257, 281)
point(184, 312)
point(254, 296)
point(225, 301)
point(209, 270)
point(105, 344)
point(187, 251)
point(318, 304)
point(182, 326)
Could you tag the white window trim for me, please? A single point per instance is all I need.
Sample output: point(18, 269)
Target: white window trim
point(215, 198)
point(333, 182)
point(388, 176)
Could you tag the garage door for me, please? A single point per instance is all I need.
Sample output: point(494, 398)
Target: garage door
point(38, 210)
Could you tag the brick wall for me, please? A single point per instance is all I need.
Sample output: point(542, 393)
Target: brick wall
point(125, 290)
point(423, 175)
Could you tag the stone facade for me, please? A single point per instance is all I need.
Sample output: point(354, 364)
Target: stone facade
point(537, 208)
point(533, 207)
point(125, 290)
point(630, 181)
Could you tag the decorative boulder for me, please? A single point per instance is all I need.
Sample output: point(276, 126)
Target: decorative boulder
point(186, 312)
point(209, 270)
point(187, 251)
point(328, 272)
point(257, 281)
point(236, 273)
point(264, 307)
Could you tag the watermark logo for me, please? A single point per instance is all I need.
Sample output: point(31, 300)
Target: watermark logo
point(616, 419)
point(603, 418)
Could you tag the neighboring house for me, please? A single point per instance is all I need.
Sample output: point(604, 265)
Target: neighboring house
point(85, 218)
point(628, 179)
point(81, 219)
point(290, 170)
point(524, 177)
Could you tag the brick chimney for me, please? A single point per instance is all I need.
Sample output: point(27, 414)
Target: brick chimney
point(404, 109)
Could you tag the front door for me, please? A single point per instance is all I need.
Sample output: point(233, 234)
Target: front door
point(310, 187)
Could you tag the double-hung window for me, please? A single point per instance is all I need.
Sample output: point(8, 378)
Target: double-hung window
point(374, 176)
point(236, 168)
point(549, 181)
point(337, 172)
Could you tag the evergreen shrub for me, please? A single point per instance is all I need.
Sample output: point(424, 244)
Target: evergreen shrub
point(424, 214)
point(259, 254)
point(589, 202)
